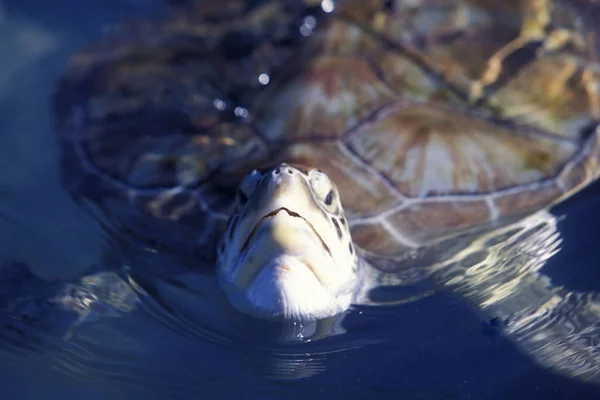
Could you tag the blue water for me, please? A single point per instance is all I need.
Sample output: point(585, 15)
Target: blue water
point(434, 348)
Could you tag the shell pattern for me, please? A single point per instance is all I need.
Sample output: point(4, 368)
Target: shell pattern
point(432, 116)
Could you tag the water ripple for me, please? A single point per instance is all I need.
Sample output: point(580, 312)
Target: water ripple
point(499, 273)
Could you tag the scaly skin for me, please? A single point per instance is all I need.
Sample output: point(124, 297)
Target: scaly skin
point(287, 252)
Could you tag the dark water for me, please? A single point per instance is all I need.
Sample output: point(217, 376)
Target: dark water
point(434, 348)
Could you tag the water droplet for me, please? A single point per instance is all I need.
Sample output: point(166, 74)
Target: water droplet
point(327, 6)
point(308, 25)
point(310, 21)
point(240, 112)
point(264, 79)
point(305, 30)
point(219, 104)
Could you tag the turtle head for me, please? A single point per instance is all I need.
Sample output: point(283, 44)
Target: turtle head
point(287, 251)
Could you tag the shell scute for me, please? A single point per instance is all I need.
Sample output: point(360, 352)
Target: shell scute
point(556, 93)
point(326, 99)
point(526, 200)
point(428, 220)
point(454, 39)
point(584, 168)
point(414, 145)
point(375, 238)
point(408, 80)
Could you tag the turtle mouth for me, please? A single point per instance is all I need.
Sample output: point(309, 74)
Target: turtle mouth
point(272, 214)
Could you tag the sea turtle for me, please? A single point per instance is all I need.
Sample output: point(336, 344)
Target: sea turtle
point(318, 149)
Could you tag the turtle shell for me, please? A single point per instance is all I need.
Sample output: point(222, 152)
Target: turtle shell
point(431, 116)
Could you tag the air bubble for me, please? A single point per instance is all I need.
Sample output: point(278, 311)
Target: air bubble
point(327, 6)
point(310, 21)
point(240, 112)
point(305, 30)
point(308, 25)
point(219, 104)
point(264, 79)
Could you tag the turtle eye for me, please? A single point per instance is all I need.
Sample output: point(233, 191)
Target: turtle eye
point(323, 187)
point(329, 198)
point(248, 186)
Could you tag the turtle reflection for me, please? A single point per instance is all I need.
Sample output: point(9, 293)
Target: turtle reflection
point(499, 273)
point(431, 117)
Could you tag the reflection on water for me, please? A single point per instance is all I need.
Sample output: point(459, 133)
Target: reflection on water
point(499, 273)
point(96, 296)
point(131, 323)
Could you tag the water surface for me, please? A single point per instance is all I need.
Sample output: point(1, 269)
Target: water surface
point(173, 345)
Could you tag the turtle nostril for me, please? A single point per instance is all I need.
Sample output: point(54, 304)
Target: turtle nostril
point(277, 171)
point(289, 171)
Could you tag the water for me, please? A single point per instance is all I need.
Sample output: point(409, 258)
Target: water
point(174, 346)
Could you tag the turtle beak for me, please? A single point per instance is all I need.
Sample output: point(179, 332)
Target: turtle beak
point(280, 232)
point(272, 214)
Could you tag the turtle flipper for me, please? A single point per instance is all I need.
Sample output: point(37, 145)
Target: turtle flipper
point(500, 274)
point(563, 334)
point(33, 310)
point(21, 312)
